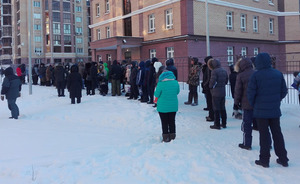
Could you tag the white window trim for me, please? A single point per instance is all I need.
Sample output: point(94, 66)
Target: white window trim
point(230, 52)
point(152, 53)
point(255, 51)
point(108, 33)
point(107, 6)
point(170, 51)
point(271, 26)
point(98, 34)
point(151, 23)
point(255, 24)
point(169, 18)
point(244, 51)
point(229, 16)
point(98, 10)
point(243, 22)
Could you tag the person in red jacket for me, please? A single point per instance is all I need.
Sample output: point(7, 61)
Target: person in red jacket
point(19, 72)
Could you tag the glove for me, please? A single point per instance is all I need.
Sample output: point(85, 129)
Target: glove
point(20, 94)
point(155, 100)
point(2, 97)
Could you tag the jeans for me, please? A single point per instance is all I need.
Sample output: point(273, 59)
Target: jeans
point(12, 106)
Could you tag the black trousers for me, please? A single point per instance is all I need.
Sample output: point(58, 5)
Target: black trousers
point(60, 88)
point(73, 100)
point(134, 91)
point(151, 91)
point(219, 110)
point(265, 138)
point(145, 97)
point(209, 105)
point(193, 94)
point(168, 122)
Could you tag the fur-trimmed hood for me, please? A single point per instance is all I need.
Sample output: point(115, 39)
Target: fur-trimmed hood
point(243, 64)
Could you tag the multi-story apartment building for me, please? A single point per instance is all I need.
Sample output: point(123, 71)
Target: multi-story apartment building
point(6, 32)
point(58, 30)
point(141, 29)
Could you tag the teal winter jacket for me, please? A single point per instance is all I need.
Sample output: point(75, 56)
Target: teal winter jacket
point(166, 91)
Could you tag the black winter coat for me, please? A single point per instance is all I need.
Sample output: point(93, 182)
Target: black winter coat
point(115, 71)
point(74, 83)
point(59, 74)
point(206, 77)
point(218, 80)
point(245, 71)
point(11, 85)
point(93, 73)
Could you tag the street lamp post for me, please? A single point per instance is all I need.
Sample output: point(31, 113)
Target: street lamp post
point(207, 30)
point(29, 47)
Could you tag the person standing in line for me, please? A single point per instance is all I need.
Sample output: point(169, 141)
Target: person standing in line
point(115, 75)
point(245, 70)
point(151, 81)
point(166, 93)
point(140, 78)
point(205, 89)
point(94, 78)
point(74, 84)
point(11, 88)
point(193, 82)
point(60, 80)
point(171, 67)
point(266, 89)
point(134, 92)
point(217, 83)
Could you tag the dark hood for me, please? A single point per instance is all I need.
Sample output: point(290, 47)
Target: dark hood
point(115, 62)
point(74, 69)
point(142, 64)
point(133, 64)
point(263, 61)
point(8, 71)
point(170, 62)
point(148, 63)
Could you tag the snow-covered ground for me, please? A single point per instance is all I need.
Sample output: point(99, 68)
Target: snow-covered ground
point(113, 140)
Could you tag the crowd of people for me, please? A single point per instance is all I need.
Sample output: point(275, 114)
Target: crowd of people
point(257, 89)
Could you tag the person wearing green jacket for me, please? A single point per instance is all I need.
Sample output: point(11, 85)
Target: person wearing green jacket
point(167, 104)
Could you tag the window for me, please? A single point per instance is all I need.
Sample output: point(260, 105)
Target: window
point(56, 16)
point(230, 55)
point(98, 10)
point(151, 23)
point(255, 24)
point(79, 50)
point(271, 26)
point(169, 19)
point(170, 52)
point(37, 27)
point(107, 7)
point(152, 53)
point(256, 51)
point(67, 40)
point(67, 29)
point(37, 38)
point(243, 22)
point(68, 49)
point(78, 19)
point(108, 57)
point(98, 34)
point(99, 58)
point(38, 50)
point(56, 28)
point(67, 17)
point(56, 5)
point(229, 20)
point(107, 32)
point(36, 4)
point(79, 30)
point(79, 40)
point(78, 8)
point(56, 40)
point(244, 51)
point(37, 16)
point(66, 7)
point(57, 49)
point(271, 2)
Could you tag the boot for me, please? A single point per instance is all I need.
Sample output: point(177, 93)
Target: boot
point(189, 102)
point(166, 138)
point(195, 100)
point(172, 136)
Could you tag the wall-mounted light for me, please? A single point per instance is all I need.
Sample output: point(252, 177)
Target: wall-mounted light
point(124, 41)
